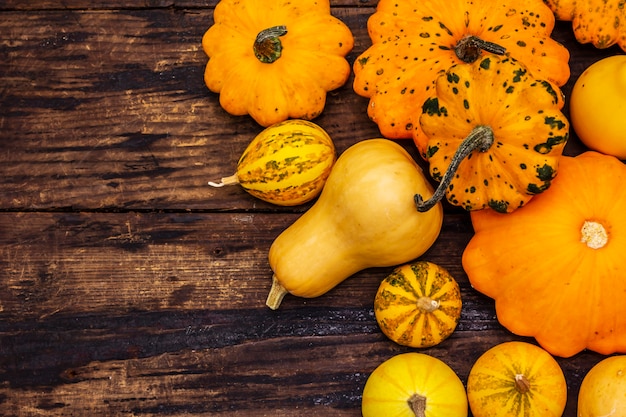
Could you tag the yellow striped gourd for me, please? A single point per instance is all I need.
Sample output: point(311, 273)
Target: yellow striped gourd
point(286, 164)
point(418, 304)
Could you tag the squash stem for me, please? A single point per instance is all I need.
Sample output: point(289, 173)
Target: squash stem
point(418, 405)
point(267, 46)
point(522, 384)
point(231, 180)
point(470, 48)
point(276, 294)
point(481, 139)
point(594, 235)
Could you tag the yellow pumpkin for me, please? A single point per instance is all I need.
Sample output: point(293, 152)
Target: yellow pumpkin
point(601, 23)
point(413, 41)
point(597, 106)
point(418, 304)
point(364, 217)
point(494, 135)
point(286, 164)
point(414, 385)
point(555, 268)
point(516, 379)
point(275, 60)
point(603, 390)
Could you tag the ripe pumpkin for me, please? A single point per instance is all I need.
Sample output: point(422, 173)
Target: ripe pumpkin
point(365, 217)
point(413, 41)
point(275, 60)
point(598, 105)
point(603, 390)
point(418, 304)
point(286, 164)
point(555, 267)
point(516, 379)
point(414, 385)
point(601, 23)
point(494, 135)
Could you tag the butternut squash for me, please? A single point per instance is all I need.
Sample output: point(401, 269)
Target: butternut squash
point(365, 217)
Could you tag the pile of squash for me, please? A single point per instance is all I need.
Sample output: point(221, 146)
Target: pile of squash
point(549, 229)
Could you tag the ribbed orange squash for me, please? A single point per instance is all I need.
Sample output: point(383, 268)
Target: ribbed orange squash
point(418, 304)
point(556, 266)
point(275, 60)
point(413, 41)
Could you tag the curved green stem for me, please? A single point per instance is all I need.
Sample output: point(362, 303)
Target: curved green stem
point(470, 48)
point(481, 139)
point(267, 46)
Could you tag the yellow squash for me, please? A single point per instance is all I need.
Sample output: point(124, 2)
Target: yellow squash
point(516, 379)
point(365, 217)
point(603, 390)
point(598, 105)
point(414, 385)
point(418, 304)
point(286, 164)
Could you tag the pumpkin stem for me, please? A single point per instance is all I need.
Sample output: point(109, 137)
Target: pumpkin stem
point(481, 139)
point(267, 46)
point(225, 181)
point(276, 294)
point(418, 405)
point(522, 384)
point(470, 48)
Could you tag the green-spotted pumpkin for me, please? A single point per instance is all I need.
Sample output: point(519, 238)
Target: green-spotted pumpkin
point(413, 41)
point(287, 164)
point(418, 304)
point(516, 379)
point(495, 135)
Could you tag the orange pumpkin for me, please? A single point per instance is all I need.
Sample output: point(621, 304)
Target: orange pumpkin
point(556, 266)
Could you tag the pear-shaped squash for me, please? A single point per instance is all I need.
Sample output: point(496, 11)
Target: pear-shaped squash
point(556, 266)
point(413, 41)
point(364, 217)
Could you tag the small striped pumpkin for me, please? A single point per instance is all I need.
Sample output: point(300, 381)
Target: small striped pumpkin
point(418, 304)
point(287, 164)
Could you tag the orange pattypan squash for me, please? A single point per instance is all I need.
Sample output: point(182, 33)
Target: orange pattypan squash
point(413, 41)
point(556, 266)
point(601, 23)
point(494, 135)
point(275, 60)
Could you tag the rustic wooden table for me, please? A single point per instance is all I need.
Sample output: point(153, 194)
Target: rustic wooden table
point(130, 287)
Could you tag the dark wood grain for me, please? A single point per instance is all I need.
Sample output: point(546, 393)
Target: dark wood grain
point(128, 286)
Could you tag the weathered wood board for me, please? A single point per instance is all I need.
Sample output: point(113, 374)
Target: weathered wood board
point(130, 287)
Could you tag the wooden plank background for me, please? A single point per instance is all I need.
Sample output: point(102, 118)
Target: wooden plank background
point(130, 287)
